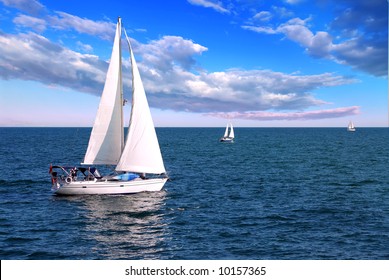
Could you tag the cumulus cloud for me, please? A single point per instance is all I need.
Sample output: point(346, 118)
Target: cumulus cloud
point(165, 53)
point(29, 6)
point(168, 66)
point(216, 5)
point(59, 20)
point(360, 17)
point(241, 90)
point(65, 21)
point(356, 37)
point(33, 57)
point(318, 45)
point(365, 25)
point(362, 55)
point(169, 73)
point(34, 23)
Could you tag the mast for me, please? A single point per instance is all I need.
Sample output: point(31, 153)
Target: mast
point(121, 83)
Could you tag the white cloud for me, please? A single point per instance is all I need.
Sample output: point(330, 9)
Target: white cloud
point(34, 57)
point(321, 45)
point(169, 51)
point(168, 66)
point(318, 45)
point(359, 40)
point(84, 47)
point(168, 69)
point(260, 29)
point(296, 30)
point(216, 5)
point(60, 20)
point(64, 21)
point(263, 16)
point(29, 6)
point(173, 85)
point(34, 23)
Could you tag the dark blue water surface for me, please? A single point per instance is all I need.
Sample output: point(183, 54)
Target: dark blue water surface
point(282, 193)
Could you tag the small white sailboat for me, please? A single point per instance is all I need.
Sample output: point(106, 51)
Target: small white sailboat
point(133, 159)
point(351, 127)
point(229, 134)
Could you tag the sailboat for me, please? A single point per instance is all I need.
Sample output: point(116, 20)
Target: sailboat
point(229, 135)
point(351, 127)
point(138, 164)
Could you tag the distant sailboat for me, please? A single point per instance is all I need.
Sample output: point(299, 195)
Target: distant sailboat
point(133, 159)
point(351, 127)
point(229, 135)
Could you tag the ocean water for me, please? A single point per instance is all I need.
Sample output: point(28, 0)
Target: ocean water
point(276, 193)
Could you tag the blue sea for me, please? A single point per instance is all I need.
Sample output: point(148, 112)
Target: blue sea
point(276, 193)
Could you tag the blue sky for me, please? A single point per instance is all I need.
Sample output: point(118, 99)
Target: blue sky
point(203, 62)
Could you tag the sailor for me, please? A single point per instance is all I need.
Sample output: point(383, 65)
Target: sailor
point(73, 173)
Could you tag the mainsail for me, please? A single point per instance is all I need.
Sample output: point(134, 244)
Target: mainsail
point(141, 152)
point(107, 137)
point(226, 132)
point(231, 135)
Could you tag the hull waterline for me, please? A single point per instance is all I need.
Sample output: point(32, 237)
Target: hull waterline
point(110, 187)
point(226, 140)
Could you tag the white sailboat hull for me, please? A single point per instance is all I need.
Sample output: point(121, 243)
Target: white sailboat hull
point(109, 187)
point(227, 140)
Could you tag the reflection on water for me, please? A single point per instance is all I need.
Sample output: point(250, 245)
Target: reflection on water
point(125, 226)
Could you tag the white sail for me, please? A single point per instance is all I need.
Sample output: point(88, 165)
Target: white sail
point(226, 132)
point(231, 135)
point(107, 137)
point(141, 152)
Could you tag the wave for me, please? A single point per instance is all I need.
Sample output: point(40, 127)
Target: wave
point(26, 182)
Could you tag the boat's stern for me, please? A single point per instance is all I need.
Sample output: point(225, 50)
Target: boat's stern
point(60, 176)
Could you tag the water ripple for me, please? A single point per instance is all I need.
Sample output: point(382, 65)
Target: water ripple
point(274, 194)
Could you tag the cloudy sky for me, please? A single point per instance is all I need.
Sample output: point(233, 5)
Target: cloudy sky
point(203, 62)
